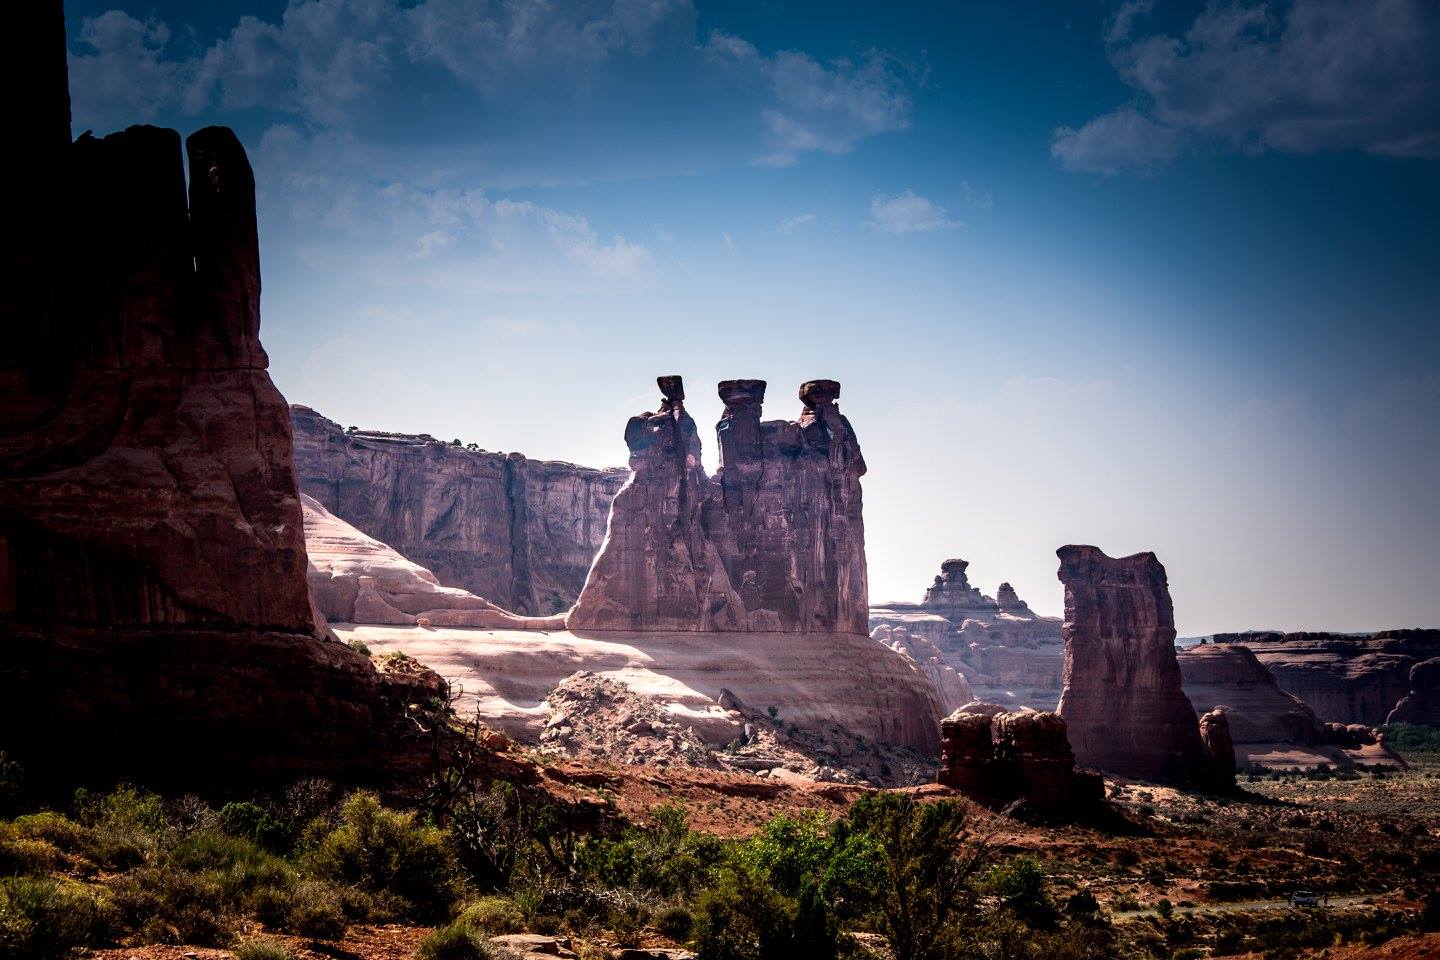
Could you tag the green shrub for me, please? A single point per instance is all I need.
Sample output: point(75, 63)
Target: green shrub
point(263, 949)
point(1020, 885)
point(386, 851)
point(252, 822)
point(627, 923)
point(358, 646)
point(455, 942)
point(21, 855)
point(169, 905)
point(675, 923)
point(41, 918)
point(124, 825)
point(315, 910)
point(493, 915)
point(744, 918)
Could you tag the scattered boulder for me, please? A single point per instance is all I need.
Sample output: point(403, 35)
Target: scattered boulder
point(1022, 757)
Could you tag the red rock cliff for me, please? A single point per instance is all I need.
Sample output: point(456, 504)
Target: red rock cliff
point(153, 605)
point(519, 532)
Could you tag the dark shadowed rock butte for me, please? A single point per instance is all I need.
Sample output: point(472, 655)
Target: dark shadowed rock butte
point(1122, 697)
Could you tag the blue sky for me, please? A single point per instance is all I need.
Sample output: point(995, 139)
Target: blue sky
point(1151, 277)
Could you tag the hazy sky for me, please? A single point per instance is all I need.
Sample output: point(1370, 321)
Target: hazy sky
point(1161, 279)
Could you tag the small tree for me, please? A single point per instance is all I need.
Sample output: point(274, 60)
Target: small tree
point(925, 862)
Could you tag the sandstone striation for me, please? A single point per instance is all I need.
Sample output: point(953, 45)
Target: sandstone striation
point(1004, 651)
point(153, 602)
point(1231, 676)
point(519, 532)
point(1122, 696)
point(1022, 757)
point(1345, 678)
point(357, 579)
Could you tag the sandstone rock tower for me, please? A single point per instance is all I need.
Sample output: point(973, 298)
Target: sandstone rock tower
point(775, 542)
point(1122, 696)
point(153, 603)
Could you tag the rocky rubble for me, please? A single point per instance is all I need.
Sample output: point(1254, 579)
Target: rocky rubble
point(602, 719)
point(153, 601)
point(1122, 697)
point(519, 532)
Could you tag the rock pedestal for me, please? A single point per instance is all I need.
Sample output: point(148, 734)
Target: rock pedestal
point(1122, 696)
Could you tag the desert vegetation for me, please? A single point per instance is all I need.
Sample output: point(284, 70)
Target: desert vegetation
point(895, 875)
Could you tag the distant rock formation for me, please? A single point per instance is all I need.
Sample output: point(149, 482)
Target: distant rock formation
point(951, 686)
point(1002, 648)
point(775, 542)
point(357, 579)
point(1345, 678)
point(1122, 697)
point(1229, 675)
point(1422, 703)
point(153, 604)
point(1023, 756)
point(519, 532)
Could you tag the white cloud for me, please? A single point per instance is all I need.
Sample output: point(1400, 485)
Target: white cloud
point(1308, 76)
point(908, 213)
point(338, 63)
point(1123, 140)
point(788, 225)
point(815, 106)
point(457, 232)
point(119, 70)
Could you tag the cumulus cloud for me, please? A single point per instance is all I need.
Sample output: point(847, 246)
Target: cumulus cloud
point(326, 61)
point(119, 68)
point(815, 106)
point(1302, 77)
point(1122, 140)
point(908, 213)
point(447, 233)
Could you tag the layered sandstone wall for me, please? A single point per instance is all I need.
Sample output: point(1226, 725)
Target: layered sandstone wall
point(1122, 697)
point(1231, 676)
point(153, 603)
point(1345, 678)
point(519, 532)
point(357, 579)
